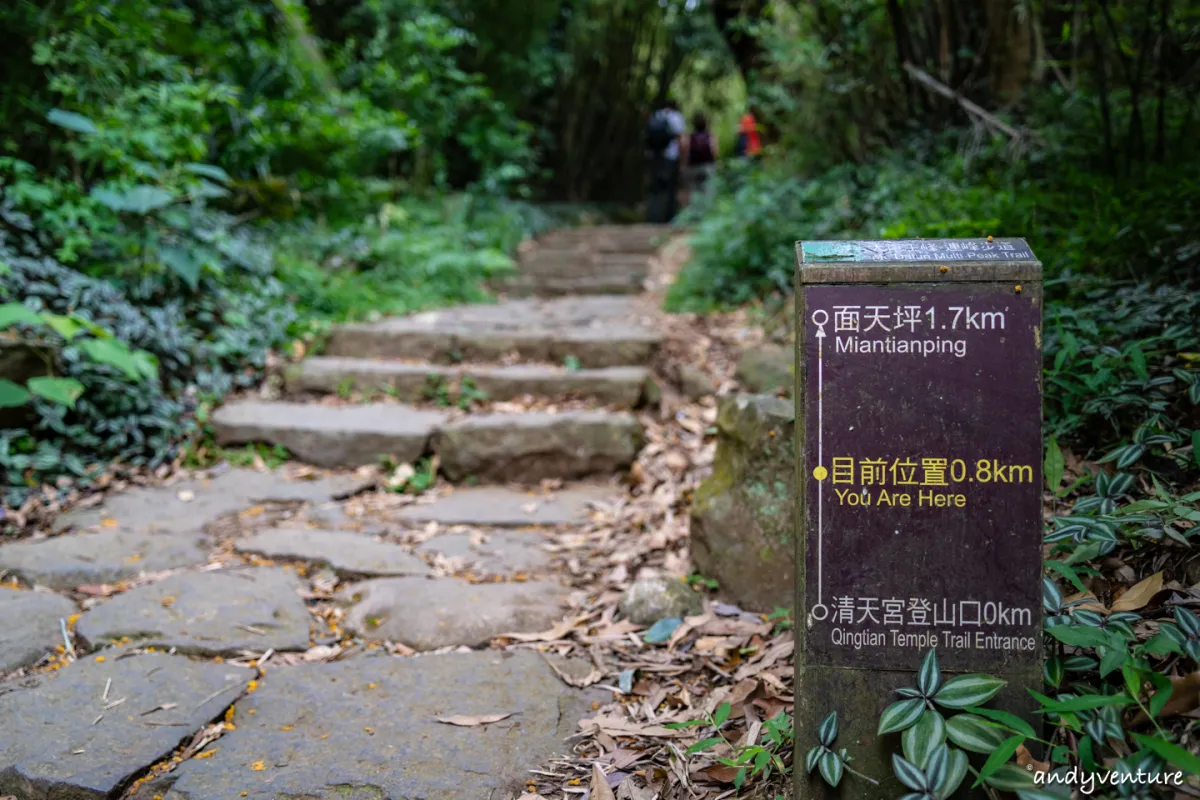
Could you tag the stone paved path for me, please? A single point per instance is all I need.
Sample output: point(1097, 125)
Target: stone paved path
point(201, 614)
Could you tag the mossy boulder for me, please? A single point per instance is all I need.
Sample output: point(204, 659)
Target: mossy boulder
point(741, 526)
point(769, 369)
point(647, 600)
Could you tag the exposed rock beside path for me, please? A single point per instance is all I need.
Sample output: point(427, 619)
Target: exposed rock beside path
point(741, 530)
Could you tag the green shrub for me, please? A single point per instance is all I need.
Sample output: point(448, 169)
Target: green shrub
point(1078, 220)
point(410, 255)
point(203, 345)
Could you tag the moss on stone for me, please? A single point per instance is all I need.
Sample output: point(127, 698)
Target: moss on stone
point(742, 514)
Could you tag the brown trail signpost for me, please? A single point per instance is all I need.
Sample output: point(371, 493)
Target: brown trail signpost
point(919, 510)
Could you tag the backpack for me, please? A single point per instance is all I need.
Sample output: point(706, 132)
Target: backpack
point(658, 132)
point(700, 149)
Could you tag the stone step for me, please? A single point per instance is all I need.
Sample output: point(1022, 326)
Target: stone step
point(330, 436)
point(599, 331)
point(618, 386)
point(508, 447)
point(610, 238)
point(533, 446)
point(631, 283)
point(578, 263)
point(502, 507)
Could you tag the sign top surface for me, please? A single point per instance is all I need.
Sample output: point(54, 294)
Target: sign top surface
point(903, 251)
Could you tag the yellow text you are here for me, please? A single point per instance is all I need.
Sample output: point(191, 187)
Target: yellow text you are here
point(894, 498)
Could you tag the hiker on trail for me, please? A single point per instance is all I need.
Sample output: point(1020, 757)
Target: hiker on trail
point(665, 146)
point(701, 155)
point(748, 144)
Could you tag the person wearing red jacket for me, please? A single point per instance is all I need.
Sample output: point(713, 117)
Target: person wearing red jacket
point(748, 144)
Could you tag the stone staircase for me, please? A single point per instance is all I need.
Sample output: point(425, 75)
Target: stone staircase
point(263, 634)
point(585, 347)
point(587, 261)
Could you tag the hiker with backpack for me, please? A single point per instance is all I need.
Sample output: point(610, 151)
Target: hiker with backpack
point(701, 155)
point(665, 147)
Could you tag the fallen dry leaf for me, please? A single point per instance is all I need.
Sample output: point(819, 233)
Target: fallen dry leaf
point(1139, 595)
point(622, 758)
point(1025, 759)
point(776, 651)
point(600, 788)
point(557, 632)
point(464, 721)
point(593, 676)
point(721, 772)
point(619, 726)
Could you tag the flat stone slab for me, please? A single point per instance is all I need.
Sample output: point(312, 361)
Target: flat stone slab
point(75, 559)
point(580, 260)
point(609, 238)
point(206, 613)
point(413, 382)
point(59, 741)
point(536, 445)
point(367, 728)
point(344, 551)
point(494, 552)
point(620, 386)
point(502, 507)
point(427, 614)
point(330, 436)
point(155, 528)
point(164, 508)
point(29, 626)
point(599, 331)
point(616, 283)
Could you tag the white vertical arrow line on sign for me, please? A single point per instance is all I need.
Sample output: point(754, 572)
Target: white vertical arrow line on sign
point(820, 458)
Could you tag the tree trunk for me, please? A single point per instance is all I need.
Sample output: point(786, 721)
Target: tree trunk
point(747, 50)
point(1010, 51)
